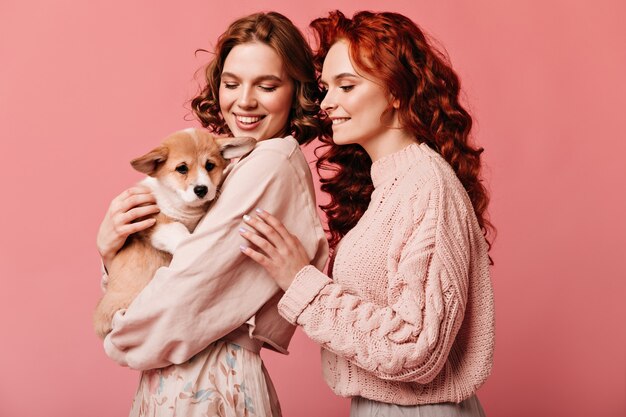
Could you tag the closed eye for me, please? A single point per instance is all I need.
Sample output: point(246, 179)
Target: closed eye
point(268, 88)
point(346, 88)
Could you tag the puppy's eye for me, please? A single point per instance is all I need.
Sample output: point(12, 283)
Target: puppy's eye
point(209, 166)
point(182, 169)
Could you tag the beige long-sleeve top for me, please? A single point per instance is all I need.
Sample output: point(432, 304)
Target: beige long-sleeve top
point(210, 288)
point(409, 316)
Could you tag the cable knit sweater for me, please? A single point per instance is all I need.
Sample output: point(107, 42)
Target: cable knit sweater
point(409, 316)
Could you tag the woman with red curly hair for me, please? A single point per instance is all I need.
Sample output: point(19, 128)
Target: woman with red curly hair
point(406, 316)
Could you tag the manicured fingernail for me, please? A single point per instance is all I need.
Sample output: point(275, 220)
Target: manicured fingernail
point(260, 211)
point(243, 248)
point(242, 230)
point(246, 218)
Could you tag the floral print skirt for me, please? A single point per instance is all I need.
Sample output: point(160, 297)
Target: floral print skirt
point(223, 380)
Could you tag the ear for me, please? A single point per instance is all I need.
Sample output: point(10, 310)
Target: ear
point(235, 147)
point(150, 162)
point(395, 103)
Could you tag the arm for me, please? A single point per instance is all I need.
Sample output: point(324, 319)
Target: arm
point(210, 288)
point(408, 339)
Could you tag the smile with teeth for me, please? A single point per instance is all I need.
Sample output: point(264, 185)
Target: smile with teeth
point(248, 120)
point(339, 120)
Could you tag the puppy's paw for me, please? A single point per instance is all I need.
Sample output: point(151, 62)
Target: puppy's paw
point(168, 236)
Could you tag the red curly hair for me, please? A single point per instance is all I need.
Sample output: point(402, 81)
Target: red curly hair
point(393, 49)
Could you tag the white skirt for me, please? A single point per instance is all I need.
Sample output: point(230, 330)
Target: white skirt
point(362, 407)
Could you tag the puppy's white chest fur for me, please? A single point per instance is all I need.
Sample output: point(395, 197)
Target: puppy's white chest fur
point(167, 236)
point(172, 206)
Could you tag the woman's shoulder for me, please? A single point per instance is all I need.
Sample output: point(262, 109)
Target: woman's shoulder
point(270, 158)
point(436, 173)
point(431, 179)
point(285, 147)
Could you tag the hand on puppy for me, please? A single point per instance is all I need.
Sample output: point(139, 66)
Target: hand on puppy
point(119, 220)
point(277, 250)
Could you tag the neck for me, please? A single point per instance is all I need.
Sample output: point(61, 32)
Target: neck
point(170, 205)
point(390, 141)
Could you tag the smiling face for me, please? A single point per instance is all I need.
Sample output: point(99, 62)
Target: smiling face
point(355, 104)
point(255, 92)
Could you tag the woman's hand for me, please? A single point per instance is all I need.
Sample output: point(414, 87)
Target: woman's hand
point(283, 255)
point(132, 204)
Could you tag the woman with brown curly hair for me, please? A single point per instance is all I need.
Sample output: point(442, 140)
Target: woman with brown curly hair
point(197, 328)
point(406, 317)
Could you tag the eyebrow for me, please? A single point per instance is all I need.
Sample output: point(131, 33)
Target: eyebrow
point(340, 76)
point(257, 79)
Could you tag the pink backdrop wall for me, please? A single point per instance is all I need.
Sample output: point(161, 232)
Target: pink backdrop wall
point(86, 86)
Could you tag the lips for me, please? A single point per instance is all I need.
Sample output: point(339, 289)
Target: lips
point(248, 119)
point(339, 120)
point(248, 122)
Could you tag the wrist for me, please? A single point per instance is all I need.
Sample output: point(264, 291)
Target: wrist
point(292, 277)
point(106, 261)
point(289, 279)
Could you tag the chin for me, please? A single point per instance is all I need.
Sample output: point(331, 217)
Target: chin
point(339, 141)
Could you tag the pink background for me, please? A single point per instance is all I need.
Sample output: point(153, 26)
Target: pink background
point(86, 86)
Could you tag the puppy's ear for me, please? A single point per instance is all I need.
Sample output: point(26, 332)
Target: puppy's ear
point(150, 162)
point(235, 147)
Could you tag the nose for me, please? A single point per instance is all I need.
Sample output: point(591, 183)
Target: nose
point(247, 98)
point(328, 103)
point(200, 190)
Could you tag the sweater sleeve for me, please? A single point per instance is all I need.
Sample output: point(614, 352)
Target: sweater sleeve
point(409, 338)
point(210, 288)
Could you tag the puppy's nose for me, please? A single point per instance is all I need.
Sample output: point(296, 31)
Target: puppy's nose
point(200, 190)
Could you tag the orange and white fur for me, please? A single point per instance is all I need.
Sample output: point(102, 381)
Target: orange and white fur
point(184, 174)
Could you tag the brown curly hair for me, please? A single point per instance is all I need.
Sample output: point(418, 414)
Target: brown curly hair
point(392, 48)
point(278, 32)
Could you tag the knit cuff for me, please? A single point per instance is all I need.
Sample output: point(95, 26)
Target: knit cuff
point(304, 288)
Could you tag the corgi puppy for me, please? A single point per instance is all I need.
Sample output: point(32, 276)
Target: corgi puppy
point(184, 174)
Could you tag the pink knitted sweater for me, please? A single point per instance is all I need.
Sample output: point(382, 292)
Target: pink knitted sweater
point(409, 316)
